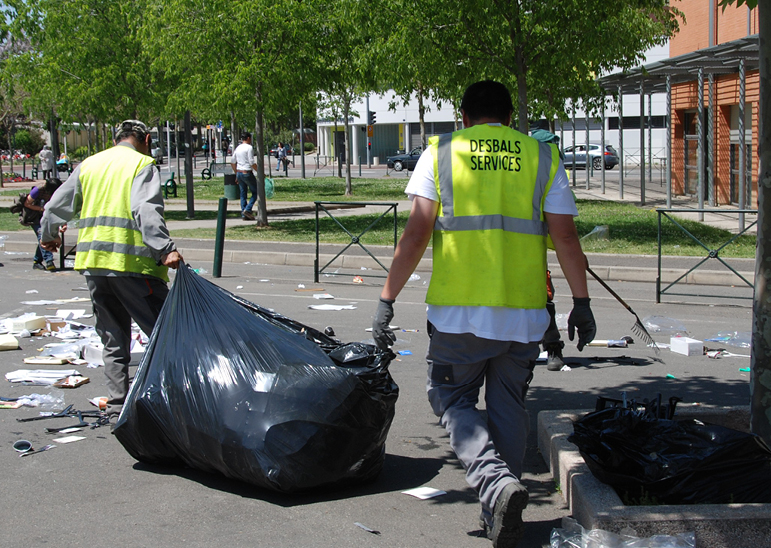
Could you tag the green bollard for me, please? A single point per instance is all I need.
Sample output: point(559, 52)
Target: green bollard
point(219, 239)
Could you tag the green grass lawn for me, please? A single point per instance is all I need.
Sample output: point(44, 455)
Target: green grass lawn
point(632, 230)
point(328, 189)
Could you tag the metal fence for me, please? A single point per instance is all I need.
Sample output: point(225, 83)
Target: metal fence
point(355, 238)
point(710, 253)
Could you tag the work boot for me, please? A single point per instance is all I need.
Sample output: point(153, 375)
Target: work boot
point(50, 266)
point(554, 356)
point(507, 527)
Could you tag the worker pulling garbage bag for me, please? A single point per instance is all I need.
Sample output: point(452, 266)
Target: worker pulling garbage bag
point(228, 386)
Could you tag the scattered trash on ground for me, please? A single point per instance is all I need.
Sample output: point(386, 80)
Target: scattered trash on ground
point(572, 535)
point(601, 232)
point(331, 307)
point(739, 339)
point(424, 493)
point(665, 326)
point(69, 439)
point(367, 529)
point(358, 280)
point(39, 377)
point(405, 352)
point(686, 346)
point(323, 296)
point(8, 342)
point(414, 277)
point(33, 451)
point(610, 343)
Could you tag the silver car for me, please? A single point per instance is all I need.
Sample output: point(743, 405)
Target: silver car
point(595, 153)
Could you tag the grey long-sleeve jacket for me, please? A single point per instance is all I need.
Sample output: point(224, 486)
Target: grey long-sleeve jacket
point(146, 207)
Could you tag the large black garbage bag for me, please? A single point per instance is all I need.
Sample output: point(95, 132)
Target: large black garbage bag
point(673, 461)
point(228, 386)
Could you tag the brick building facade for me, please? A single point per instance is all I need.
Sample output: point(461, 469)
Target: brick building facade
point(708, 25)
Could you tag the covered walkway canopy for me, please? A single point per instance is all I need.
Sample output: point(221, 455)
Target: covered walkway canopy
point(735, 57)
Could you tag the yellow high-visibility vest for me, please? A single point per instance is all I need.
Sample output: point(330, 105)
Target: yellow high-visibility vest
point(490, 232)
point(108, 236)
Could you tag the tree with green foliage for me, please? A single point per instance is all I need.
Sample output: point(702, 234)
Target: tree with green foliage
point(232, 59)
point(550, 52)
point(86, 59)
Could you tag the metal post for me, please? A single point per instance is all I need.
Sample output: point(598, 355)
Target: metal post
point(589, 162)
point(219, 241)
point(711, 142)
point(742, 143)
point(359, 166)
point(602, 147)
point(302, 143)
point(189, 167)
point(369, 159)
point(700, 143)
point(573, 124)
point(669, 141)
point(650, 138)
point(642, 142)
point(620, 144)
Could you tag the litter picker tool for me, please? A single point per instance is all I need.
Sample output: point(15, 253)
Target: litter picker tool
point(638, 328)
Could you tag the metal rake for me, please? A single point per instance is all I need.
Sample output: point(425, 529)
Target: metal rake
point(638, 328)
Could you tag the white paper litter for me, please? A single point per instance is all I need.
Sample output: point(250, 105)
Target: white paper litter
point(69, 439)
point(67, 314)
point(424, 493)
point(323, 296)
point(41, 377)
point(331, 307)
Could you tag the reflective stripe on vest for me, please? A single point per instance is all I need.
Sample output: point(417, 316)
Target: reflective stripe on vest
point(108, 237)
point(490, 231)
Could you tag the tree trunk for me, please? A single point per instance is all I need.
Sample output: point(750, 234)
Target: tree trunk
point(760, 384)
point(421, 120)
point(259, 156)
point(96, 135)
point(347, 146)
point(10, 148)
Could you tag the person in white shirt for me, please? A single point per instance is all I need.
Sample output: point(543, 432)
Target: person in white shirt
point(46, 162)
point(495, 196)
point(244, 165)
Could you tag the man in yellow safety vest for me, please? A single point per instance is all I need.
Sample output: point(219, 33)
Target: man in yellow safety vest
point(489, 195)
point(124, 249)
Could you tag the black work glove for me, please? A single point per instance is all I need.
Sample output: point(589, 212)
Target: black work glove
point(381, 324)
point(582, 320)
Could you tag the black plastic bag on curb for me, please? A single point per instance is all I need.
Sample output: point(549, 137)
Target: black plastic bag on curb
point(673, 461)
point(228, 386)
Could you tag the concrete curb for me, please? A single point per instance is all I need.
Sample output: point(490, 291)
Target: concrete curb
point(596, 505)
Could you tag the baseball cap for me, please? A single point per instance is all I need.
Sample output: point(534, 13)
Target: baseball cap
point(131, 126)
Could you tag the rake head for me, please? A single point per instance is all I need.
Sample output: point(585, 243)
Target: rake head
point(639, 329)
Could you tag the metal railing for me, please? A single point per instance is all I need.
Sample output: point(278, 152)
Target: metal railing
point(711, 253)
point(355, 239)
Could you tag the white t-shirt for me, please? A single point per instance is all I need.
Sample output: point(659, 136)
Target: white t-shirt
point(243, 156)
point(491, 322)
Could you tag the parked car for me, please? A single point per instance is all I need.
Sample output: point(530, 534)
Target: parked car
point(404, 161)
point(595, 153)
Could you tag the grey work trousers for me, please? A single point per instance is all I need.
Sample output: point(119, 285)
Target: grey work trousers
point(118, 299)
point(491, 451)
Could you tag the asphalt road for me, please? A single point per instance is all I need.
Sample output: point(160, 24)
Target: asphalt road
point(92, 493)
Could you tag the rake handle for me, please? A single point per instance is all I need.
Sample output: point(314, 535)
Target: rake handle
point(606, 286)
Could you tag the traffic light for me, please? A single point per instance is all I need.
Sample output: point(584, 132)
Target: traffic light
point(371, 117)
